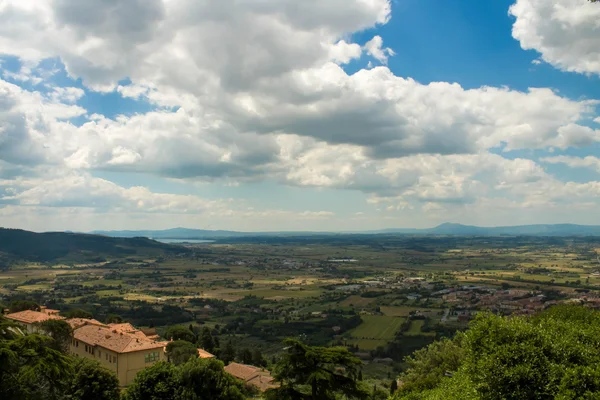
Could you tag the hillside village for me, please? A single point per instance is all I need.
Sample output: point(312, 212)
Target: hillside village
point(122, 348)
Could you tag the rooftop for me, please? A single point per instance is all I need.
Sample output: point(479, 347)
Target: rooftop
point(30, 317)
point(112, 339)
point(252, 375)
point(79, 322)
point(205, 354)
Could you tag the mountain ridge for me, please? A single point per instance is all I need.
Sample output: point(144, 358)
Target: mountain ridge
point(446, 228)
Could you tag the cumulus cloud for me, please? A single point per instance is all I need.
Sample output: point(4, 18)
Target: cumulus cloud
point(375, 49)
point(255, 90)
point(565, 32)
point(582, 162)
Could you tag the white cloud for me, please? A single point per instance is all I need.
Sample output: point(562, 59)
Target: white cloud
point(254, 90)
point(585, 162)
point(375, 49)
point(565, 32)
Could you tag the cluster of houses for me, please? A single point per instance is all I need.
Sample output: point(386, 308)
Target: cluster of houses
point(124, 349)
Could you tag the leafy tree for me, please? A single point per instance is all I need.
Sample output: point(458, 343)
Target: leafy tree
point(428, 366)
point(180, 351)
point(180, 333)
point(58, 330)
point(393, 386)
point(94, 382)
point(158, 382)
point(113, 319)
point(78, 313)
point(31, 369)
point(205, 379)
point(206, 340)
point(8, 329)
point(227, 355)
point(555, 355)
point(22, 305)
point(311, 372)
point(258, 359)
point(245, 356)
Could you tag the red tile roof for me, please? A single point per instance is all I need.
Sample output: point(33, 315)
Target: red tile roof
point(111, 339)
point(30, 317)
point(79, 322)
point(204, 354)
point(255, 376)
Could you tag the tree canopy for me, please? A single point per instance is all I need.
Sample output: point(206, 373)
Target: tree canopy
point(180, 351)
point(58, 330)
point(22, 305)
point(180, 333)
point(553, 355)
point(313, 372)
point(197, 379)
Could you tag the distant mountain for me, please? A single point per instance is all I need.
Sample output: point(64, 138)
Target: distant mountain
point(16, 244)
point(443, 229)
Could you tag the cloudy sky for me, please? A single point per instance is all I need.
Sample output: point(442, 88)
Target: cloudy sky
point(298, 115)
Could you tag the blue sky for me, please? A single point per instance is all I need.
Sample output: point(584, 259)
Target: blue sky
point(329, 115)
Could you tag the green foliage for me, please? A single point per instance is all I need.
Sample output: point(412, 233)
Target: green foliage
point(197, 379)
point(158, 382)
point(113, 319)
point(307, 372)
point(78, 313)
point(180, 333)
point(205, 379)
point(428, 366)
point(554, 355)
point(31, 369)
point(58, 330)
point(227, 355)
point(22, 305)
point(180, 351)
point(94, 382)
point(207, 341)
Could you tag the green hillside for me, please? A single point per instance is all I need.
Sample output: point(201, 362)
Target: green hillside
point(16, 244)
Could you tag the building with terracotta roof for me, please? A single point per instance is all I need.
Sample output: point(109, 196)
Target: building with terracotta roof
point(29, 319)
point(205, 354)
point(251, 375)
point(119, 348)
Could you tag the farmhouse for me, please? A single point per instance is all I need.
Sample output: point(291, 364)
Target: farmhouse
point(254, 376)
point(118, 348)
point(29, 319)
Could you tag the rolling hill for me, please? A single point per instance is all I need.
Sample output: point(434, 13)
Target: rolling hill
point(16, 244)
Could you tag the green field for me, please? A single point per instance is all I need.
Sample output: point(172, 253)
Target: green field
point(375, 331)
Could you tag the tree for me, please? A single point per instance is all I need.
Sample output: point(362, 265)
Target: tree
point(307, 372)
point(180, 333)
point(58, 330)
point(113, 319)
point(258, 359)
point(206, 340)
point(393, 386)
point(228, 353)
point(552, 355)
point(158, 382)
point(78, 313)
point(94, 382)
point(245, 356)
point(206, 379)
point(180, 351)
point(428, 366)
point(23, 305)
point(31, 369)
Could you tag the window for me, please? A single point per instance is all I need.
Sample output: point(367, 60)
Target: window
point(99, 354)
point(115, 359)
point(86, 348)
point(151, 357)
